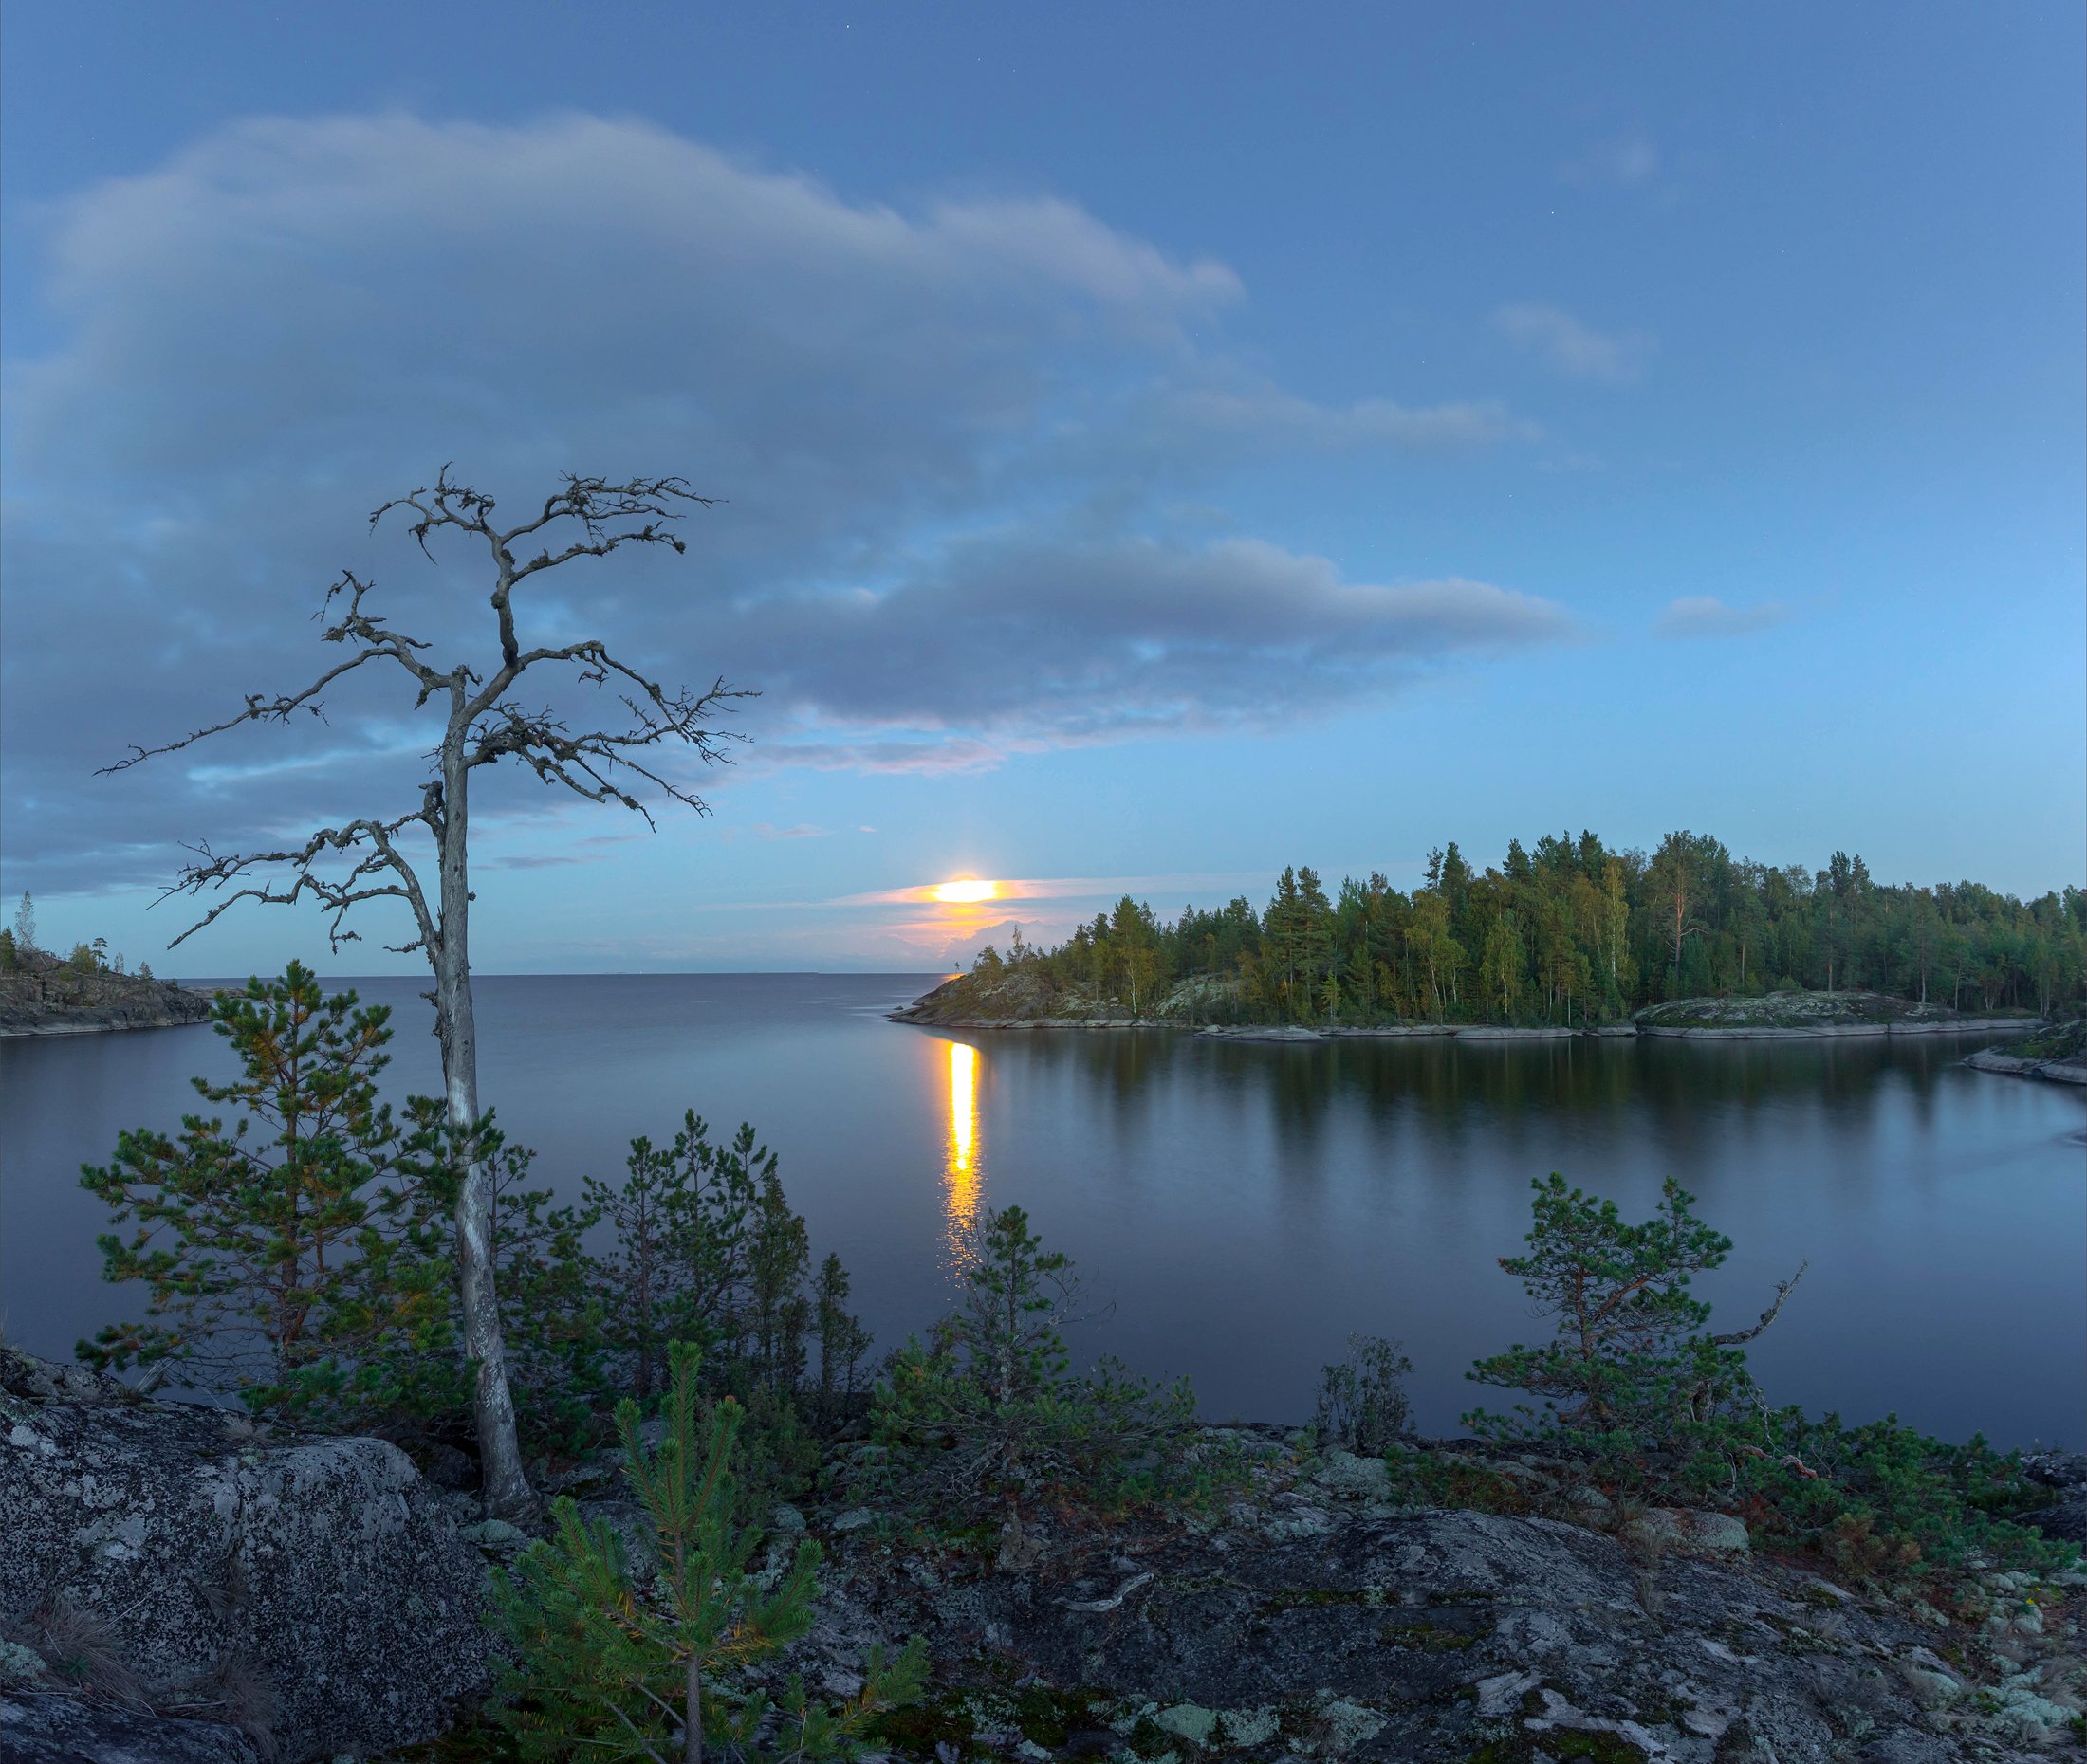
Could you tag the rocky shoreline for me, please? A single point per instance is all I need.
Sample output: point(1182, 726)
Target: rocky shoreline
point(1851, 1015)
point(178, 1584)
point(2073, 1071)
point(55, 998)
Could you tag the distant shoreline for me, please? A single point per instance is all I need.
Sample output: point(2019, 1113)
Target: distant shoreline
point(1474, 1032)
point(54, 999)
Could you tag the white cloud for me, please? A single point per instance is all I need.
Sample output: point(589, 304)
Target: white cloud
point(1570, 347)
point(931, 550)
point(1705, 616)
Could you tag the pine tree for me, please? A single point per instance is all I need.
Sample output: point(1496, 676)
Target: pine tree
point(843, 1340)
point(606, 1663)
point(990, 1411)
point(305, 1264)
point(1629, 1355)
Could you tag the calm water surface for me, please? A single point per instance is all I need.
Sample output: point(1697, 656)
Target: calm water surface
point(1239, 1208)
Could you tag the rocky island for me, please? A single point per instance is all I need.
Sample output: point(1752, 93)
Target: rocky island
point(44, 994)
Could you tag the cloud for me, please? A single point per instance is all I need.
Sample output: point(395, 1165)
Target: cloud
point(1065, 640)
point(1627, 160)
point(1705, 616)
point(1569, 347)
point(1102, 888)
point(965, 950)
point(934, 429)
point(1268, 413)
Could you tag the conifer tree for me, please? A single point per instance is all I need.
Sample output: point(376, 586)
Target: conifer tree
point(605, 1662)
point(304, 1264)
point(843, 1340)
point(991, 1410)
point(1629, 1355)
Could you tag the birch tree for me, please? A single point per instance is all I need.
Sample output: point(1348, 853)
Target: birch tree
point(420, 859)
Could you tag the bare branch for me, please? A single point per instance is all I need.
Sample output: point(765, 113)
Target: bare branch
point(259, 709)
point(485, 723)
point(213, 871)
point(1783, 1289)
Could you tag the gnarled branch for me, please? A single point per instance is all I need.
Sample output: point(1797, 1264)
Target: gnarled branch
point(1783, 1289)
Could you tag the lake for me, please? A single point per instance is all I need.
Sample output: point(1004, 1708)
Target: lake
point(1238, 1209)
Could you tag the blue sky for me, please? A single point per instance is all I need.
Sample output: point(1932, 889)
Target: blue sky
point(1158, 445)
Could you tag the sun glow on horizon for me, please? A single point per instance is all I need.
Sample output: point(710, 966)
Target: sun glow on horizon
point(965, 891)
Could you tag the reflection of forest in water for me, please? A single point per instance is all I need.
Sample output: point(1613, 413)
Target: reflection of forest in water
point(1239, 1207)
point(1445, 1079)
point(1249, 1203)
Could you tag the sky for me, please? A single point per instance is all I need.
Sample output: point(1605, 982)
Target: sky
point(1152, 445)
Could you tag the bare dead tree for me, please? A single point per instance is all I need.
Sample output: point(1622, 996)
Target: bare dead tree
point(483, 723)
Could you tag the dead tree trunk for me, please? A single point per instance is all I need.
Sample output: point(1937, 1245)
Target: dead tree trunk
point(484, 724)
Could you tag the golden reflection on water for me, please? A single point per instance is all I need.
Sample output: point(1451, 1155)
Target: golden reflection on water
point(960, 1170)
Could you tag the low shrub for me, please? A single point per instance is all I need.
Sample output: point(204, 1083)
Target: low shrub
point(987, 1414)
point(1362, 1400)
point(604, 1661)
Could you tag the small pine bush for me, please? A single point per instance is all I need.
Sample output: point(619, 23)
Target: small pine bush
point(1632, 1385)
point(300, 1257)
point(989, 1413)
point(606, 1661)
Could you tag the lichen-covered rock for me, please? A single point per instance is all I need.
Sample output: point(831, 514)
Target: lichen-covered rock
point(59, 1729)
point(1374, 1636)
point(315, 1587)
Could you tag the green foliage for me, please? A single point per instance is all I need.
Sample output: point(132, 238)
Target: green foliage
point(303, 1256)
point(843, 1341)
point(988, 1412)
point(1627, 1355)
point(707, 1250)
point(1878, 1501)
point(1637, 1393)
point(1362, 1402)
point(607, 1660)
point(553, 1313)
point(10, 958)
point(299, 1257)
point(1568, 932)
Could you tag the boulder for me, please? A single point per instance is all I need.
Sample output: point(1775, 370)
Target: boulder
point(44, 1729)
point(313, 1588)
point(1687, 1527)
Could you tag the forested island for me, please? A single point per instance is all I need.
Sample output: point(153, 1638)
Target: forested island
point(1569, 934)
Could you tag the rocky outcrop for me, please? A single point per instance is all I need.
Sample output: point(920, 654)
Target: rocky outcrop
point(1785, 1016)
point(2057, 1054)
point(2053, 1071)
point(2066, 1475)
point(43, 996)
point(312, 1592)
point(39, 1728)
point(1315, 1616)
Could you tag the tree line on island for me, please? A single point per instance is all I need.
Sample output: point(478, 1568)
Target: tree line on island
point(1570, 934)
